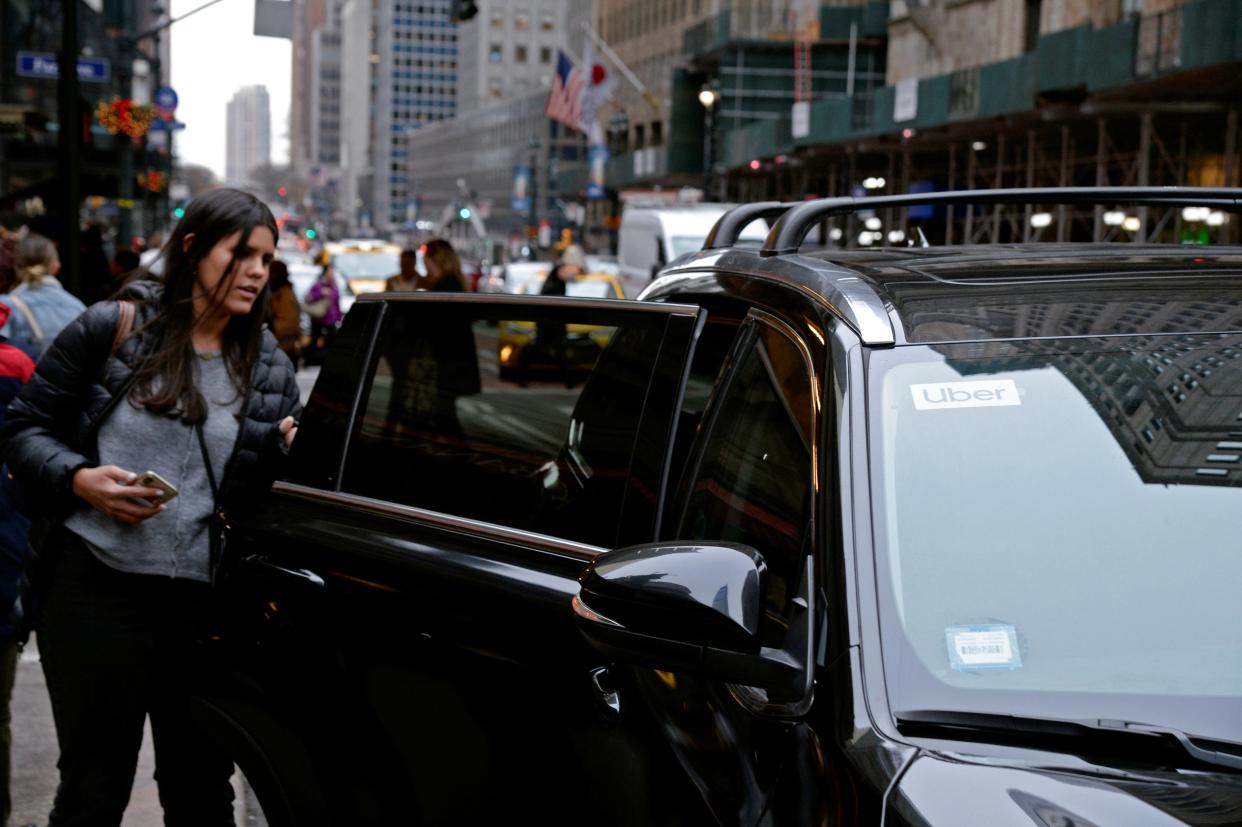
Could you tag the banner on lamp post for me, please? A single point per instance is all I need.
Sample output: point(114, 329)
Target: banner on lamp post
point(597, 157)
point(520, 200)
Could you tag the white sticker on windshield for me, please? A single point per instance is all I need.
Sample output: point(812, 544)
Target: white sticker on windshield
point(989, 393)
point(982, 646)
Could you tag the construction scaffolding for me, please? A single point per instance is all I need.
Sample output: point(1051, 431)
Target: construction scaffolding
point(1113, 144)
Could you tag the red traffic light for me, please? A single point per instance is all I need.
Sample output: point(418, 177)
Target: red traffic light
point(282, 192)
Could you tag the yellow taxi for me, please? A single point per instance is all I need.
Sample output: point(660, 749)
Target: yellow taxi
point(566, 352)
point(364, 263)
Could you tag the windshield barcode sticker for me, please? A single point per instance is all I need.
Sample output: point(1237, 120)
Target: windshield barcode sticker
point(982, 646)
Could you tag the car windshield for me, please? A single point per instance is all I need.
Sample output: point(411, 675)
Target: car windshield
point(367, 265)
point(1057, 528)
point(683, 244)
point(603, 264)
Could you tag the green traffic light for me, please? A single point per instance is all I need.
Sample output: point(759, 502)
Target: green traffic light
point(464, 212)
point(310, 232)
point(179, 212)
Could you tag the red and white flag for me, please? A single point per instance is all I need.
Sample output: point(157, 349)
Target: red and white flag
point(597, 86)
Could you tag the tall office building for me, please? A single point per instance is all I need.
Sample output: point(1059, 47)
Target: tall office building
point(249, 125)
point(507, 51)
point(399, 62)
point(309, 18)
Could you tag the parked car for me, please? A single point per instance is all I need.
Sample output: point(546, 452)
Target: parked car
point(892, 536)
point(651, 237)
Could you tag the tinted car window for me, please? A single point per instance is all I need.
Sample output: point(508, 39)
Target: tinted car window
point(315, 458)
point(752, 483)
point(527, 422)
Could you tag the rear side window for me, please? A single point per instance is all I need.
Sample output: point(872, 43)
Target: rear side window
point(521, 416)
point(752, 481)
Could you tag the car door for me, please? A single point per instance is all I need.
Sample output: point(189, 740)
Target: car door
point(399, 642)
point(752, 477)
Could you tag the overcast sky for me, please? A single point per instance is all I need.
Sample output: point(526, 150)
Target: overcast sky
point(215, 53)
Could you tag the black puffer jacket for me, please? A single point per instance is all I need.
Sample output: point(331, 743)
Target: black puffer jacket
point(52, 426)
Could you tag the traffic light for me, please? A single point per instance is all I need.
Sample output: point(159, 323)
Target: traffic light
point(464, 213)
point(282, 192)
point(460, 10)
point(179, 212)
point(310, 233)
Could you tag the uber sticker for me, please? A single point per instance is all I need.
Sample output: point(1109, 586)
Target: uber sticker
point(982, 646)
point(988, 393)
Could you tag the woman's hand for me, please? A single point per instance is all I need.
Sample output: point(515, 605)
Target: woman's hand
point(288, 429)
point(107, 490)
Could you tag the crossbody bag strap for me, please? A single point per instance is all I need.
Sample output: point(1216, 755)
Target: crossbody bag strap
point(36, 329)
point(219, 526)
point(211, 474)
point(124, 324)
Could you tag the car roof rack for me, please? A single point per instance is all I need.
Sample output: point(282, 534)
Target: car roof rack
point(796, 219)
point(726, 231)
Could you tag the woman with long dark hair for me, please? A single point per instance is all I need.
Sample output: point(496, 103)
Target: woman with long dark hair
point(182, 379)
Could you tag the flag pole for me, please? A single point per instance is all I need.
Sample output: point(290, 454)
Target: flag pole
point(621, 67)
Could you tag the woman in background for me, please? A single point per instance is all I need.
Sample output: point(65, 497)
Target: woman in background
point(41, 306)
point(286, 312)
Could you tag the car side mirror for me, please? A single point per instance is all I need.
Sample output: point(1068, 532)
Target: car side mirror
point(695, 609)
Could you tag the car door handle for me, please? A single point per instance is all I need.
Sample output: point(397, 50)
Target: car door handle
point(263, 565)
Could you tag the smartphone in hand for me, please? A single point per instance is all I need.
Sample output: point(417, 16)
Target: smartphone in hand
point(150, 479)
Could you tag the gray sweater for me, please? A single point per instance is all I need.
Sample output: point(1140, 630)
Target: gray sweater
point(175, 542)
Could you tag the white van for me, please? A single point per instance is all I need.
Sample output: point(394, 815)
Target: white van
point(651, 237)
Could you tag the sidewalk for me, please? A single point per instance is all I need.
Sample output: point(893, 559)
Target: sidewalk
point(34, 761)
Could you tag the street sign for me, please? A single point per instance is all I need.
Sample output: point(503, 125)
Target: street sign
point(44, 65)
point(159, 123)
point(800, 120)
point(166, 98)
point(906, 100)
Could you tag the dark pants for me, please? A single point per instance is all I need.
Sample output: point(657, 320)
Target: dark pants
point(117, 647)
point(8, 672)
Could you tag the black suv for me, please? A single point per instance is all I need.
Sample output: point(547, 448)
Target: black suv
point(907, 535)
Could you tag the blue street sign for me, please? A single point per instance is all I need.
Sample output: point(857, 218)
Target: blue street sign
point(166, 98)
point(161, 124)
point(44, 65)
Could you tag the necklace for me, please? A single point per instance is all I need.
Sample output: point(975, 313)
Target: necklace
point(207, 355)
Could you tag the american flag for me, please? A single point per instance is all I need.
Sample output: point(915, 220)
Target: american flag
point(565, 100)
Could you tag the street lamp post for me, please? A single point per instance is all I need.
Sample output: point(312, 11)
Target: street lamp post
point(709, 96)
point(533, 146)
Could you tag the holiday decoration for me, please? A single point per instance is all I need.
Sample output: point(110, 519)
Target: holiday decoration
point(123, 115)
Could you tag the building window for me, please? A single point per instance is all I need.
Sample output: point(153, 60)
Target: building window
point(519, 54)
point(493, 88)
point(546, 21)
point(498, 20)
point(521, 19)
point(545, 54)
point(495, 53)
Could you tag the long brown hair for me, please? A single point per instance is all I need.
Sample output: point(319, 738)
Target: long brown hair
point(164, 383)
point(442, 253)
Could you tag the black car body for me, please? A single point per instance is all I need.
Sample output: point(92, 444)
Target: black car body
point(904, 536)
